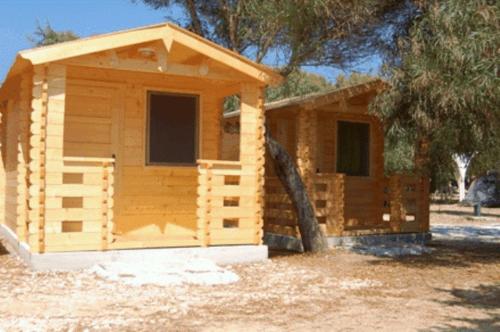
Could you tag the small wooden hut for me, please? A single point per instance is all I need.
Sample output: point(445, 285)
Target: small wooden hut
point(339, 150)
point(113, 142)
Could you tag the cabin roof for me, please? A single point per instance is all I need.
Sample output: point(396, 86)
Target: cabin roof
point(322, 98)
point(166, 32)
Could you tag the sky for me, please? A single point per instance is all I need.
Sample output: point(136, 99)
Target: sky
point(90, 17)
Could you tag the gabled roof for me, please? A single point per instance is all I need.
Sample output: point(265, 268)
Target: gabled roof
point(167, 32)
point(318, 99)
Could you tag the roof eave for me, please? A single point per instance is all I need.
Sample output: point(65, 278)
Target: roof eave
point(99, 43)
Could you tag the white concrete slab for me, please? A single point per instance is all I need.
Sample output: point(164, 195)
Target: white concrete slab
point(64, 261)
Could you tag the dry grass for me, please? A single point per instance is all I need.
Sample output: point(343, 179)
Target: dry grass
point(456, 286)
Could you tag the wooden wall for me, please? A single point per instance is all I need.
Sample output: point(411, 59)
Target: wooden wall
point(15, 159)
point(230, 148)
point(106, 116)
point(363, 201)
point(3, 117)
point(10, 162)
point(362, 198)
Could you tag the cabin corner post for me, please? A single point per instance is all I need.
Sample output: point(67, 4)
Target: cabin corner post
point(424, 204)
point(252, 152)
point(23, 156)
point(378, 165)
point(46, 149)
point(204, 203)
point(3, 110)
point(339, 191)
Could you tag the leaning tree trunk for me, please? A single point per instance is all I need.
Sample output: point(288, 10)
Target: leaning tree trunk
point(312, 237)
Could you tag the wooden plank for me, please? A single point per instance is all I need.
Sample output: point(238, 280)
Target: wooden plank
point(150, 66)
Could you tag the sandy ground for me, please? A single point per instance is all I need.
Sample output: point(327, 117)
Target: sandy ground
point(456, 286)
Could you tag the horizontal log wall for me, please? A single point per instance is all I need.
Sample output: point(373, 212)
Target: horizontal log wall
point(10, 158)
point(226, 206)
point(3, 118)
point(230, 137)
point(404, 204)
point(153, 205)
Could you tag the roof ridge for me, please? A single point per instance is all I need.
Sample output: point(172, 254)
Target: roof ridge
point(98, 35)
point(303, 98)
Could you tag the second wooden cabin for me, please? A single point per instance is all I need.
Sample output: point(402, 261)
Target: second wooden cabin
point(339, 150)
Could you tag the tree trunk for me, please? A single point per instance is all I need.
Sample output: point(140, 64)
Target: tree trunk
point(313, 239)
point(462, 162)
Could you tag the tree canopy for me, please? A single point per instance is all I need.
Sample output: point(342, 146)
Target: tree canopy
point(316, 32)
point(446, 88)
point(46, 35)
point(298, 83)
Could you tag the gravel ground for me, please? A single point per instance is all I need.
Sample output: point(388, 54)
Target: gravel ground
point(454, 286)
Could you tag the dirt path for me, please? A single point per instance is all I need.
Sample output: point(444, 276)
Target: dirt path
point(457, 285)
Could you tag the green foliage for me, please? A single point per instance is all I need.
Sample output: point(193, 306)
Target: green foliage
point(314, 32)
point(45, 35)
point(399, 154)
point(447, 87)
point(483, 162)
point(298, 83)
point(354, 78)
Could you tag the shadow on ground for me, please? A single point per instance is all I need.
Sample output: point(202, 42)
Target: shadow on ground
point(3, 251)
point(274, 253)
point(465, 213)
point(449, 253)
point(484, 297)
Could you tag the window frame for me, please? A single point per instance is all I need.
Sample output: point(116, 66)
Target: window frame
point(197, 97)
point(370, 142)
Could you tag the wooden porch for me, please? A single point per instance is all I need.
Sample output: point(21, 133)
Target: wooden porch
point(225, 208)
point(351, 206)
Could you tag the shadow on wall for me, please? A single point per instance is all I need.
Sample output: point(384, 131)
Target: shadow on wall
point(484, 297)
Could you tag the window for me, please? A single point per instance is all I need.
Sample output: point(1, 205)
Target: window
point(172, 129)
point(353, 148)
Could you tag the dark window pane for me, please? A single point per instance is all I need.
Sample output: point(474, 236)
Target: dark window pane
point(353, 148)
point(172, 128)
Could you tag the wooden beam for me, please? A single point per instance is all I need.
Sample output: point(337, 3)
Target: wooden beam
point(252, 150)
point(151, 66)
point(162, 55)
point(316, 101)
point(224, 56)
point(168, 39)
point(93, 44)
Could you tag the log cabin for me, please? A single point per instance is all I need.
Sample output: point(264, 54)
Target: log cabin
point(113, 142)
point(338, 148)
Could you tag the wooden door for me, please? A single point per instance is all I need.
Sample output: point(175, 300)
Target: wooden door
point(93, 124)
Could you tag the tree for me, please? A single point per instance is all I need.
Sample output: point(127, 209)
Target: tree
point(343, 81)
point(445, 88)
point(311, 235)
point(462, 162)
point(45, 35)
point(316, 32)
point(298, 83)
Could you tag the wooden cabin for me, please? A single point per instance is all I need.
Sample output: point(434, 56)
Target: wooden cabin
point(339, 150)
point(113, 142)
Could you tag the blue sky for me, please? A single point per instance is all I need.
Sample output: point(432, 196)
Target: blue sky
point(85, 18)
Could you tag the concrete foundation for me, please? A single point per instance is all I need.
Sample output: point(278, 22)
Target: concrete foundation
point(276, 241)
point(76, 260)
